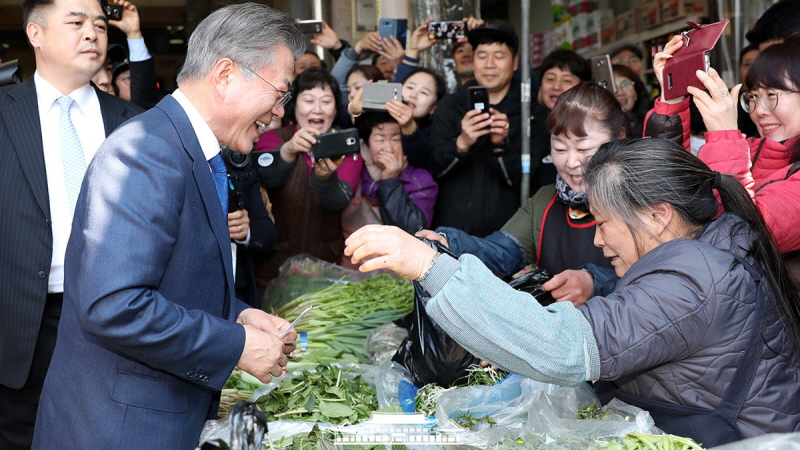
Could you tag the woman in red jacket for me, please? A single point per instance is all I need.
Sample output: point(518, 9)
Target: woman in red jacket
point(767, 166)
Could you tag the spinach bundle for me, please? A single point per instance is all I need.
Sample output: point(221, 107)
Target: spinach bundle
point(327, 394)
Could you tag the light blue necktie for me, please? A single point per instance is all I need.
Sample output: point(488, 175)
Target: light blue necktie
point(71, 153)
point(220, 175)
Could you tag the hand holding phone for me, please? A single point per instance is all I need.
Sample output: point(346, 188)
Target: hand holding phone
point(335, 144)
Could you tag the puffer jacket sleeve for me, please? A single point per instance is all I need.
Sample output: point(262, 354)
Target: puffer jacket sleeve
point(656, 315)
point(669, 122)
point(499, 251)
point(408, 204)
point(774, 194)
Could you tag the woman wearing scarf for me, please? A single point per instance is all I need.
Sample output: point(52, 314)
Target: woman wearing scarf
point(554, 229)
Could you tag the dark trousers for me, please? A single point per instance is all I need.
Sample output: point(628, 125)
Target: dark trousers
point(18, 406)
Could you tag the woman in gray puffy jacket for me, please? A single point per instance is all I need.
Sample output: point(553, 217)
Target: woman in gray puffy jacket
point(702, 329)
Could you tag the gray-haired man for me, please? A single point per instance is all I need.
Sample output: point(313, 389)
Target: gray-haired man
point(150, 327)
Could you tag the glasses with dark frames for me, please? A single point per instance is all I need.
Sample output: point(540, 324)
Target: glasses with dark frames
point(285, 95)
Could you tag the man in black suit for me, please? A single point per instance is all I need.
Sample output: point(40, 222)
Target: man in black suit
point(69, 41)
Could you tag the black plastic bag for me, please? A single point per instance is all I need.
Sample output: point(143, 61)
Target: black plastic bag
point(428, 353)
point(531, 283)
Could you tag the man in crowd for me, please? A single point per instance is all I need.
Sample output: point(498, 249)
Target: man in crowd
point(778, 21)
point(151, 329)
point(50, 128)
point(462, 57)
point(476, 156)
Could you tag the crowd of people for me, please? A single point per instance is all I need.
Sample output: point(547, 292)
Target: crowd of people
point(154, 225)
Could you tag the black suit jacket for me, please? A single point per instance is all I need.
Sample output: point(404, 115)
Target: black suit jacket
point(26, 238)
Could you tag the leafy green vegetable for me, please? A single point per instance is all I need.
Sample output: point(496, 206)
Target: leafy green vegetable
point(467, 420)
point(593, 411)
point(483, 376)
point(324, 395)
point(427, 397)
point(644, 441)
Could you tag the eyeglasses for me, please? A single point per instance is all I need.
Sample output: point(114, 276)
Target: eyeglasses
point(769, 101)
point(625, 85)
point(285, 95)
point(623, 61)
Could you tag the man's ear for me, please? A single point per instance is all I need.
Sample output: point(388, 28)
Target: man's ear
point(222, 73)
point(662, 215)
point(34, 32)
point(516, 62)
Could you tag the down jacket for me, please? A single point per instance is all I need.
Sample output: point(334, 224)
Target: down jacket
point(761, 164)
point(679, 321)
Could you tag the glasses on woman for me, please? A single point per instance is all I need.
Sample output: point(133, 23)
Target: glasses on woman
point(285, 95)
point(769, 101)
point(626, 85)
point(624, 61)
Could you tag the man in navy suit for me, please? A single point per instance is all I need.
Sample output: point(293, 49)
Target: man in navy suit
point(69, 42)
point(150, 328)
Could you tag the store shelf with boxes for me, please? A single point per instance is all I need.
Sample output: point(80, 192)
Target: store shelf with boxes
point(590, 31)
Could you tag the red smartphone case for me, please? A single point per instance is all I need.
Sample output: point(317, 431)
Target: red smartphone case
point(680, 72)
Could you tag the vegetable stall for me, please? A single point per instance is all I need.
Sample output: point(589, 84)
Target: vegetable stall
point(342, 389)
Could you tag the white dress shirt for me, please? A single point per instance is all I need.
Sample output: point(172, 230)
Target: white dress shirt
point(88, 121)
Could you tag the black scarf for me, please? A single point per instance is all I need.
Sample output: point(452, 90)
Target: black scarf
point(569, 197)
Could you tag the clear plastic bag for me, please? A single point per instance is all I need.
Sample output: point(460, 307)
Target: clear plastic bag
point(383, 342)
point(507, 403)
point(302, 274)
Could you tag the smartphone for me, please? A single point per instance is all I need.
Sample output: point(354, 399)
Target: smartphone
point(447, 29)
point(377, 94)
point(603, 74)
point(479, 98)
point(335, 144)
point(394, 27)
point(114, 12)
point(311, 26)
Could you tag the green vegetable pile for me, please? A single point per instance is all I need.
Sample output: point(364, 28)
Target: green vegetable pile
point(468, 421)
point(345, 314)
point(644, 441)
point(239, 387)
point(631, 441)
point(428, 395)
point(324, 395)
point(593, 411)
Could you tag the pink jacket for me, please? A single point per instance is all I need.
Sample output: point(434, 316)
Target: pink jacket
point(762, 173)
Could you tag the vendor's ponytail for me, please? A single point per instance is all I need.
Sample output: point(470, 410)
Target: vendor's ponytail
point(735, 199)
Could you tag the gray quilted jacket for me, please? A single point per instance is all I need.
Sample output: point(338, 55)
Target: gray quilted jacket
point(678, 323)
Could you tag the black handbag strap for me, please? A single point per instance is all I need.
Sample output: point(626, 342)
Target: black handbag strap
point(736, 392)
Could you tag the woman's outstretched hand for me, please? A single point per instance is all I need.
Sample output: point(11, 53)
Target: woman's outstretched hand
point(386, 247)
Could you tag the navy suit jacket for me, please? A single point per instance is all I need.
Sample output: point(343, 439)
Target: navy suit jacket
point(26, 237)
point(147, 332)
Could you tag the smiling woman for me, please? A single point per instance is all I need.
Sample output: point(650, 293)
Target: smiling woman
point(307, 195)
point(554, 229)
point(768, 165)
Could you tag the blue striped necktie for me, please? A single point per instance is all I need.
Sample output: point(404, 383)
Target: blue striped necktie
point(220, 176)
point(71, 153)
